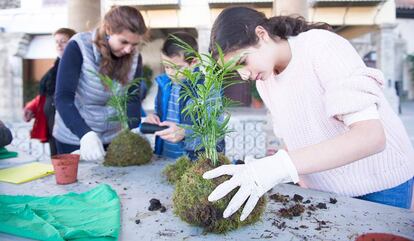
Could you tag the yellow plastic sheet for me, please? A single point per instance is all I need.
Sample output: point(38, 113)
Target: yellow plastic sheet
point(25, 173)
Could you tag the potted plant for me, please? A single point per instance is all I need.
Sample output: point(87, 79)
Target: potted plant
point(127, 148)
point(206, 108)
point(256, 99)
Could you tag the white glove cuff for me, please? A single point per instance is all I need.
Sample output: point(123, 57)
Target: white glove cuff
point(287, 162)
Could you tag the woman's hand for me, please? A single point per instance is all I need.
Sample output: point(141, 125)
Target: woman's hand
point(28, 115)
point(173, 133)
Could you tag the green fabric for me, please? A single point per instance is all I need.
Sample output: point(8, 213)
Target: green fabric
point(93, 215)
point(4, 153)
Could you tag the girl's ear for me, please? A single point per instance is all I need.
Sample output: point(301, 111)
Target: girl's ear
point(107, 30)
point(261, 33)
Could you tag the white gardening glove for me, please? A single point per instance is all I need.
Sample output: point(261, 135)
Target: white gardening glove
point(91, 148)
point(255, 178)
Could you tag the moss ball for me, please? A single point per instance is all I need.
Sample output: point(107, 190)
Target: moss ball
point(174, 171)
point(192, 206)
point(128, 149)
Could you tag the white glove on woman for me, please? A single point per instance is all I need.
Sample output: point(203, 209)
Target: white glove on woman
point(91, 148)
point(255, 178)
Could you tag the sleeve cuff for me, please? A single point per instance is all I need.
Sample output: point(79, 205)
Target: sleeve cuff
point(369, 113)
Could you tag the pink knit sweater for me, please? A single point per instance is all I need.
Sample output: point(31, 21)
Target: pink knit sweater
point(324, 80)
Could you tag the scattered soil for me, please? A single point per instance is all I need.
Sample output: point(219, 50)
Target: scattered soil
point(163, 209)
point(138, 221)
point(321, 224)
point(321, 206)
point(293, 211)
point(294, 207)
point(279, 224)
point(297, 198)
point(277, 197)
point(155, 205)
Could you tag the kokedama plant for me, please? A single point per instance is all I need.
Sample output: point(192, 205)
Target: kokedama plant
point(126, 148)
point(206, 109)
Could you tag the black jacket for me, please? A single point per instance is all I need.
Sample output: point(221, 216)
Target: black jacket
point(5, 135)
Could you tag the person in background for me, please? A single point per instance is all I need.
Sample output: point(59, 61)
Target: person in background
point(81, 121)
point(42, 107)
point(341, 133)
point(5, 135)
point(169, 103)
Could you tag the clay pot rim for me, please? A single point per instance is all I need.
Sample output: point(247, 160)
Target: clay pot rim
point(373, 235)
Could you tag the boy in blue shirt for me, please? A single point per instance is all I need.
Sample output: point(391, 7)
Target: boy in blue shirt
point(171, 142)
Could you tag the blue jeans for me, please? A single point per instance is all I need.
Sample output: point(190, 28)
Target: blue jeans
point(399, 196)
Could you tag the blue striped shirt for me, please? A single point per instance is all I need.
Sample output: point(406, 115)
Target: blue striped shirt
point(173, 150)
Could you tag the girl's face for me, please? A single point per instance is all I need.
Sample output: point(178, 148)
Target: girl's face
point(261, 60)
point(61, 40)
point(123, 43)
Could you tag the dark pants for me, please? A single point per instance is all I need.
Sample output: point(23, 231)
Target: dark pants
point(63, 148)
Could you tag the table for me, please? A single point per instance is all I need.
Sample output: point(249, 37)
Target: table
point(22, 158)
point(136, 185)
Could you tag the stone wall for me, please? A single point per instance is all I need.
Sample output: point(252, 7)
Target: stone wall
point(13, 46)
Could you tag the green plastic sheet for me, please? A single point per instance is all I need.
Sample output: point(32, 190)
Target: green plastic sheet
point(93, 215)
point(4, 153)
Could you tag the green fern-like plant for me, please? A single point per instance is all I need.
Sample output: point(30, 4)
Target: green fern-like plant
point(126, 148)
point(207, 106)
point(119, 98)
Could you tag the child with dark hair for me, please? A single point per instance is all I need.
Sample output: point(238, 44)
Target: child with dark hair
point(171, 142)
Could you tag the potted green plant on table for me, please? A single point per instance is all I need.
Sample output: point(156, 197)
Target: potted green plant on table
point(127, 148)
point(206, 109)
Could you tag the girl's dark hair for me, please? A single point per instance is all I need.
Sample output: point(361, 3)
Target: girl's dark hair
point(235, 27)
point(118, 19)
point(65, 31)
point(172, 48)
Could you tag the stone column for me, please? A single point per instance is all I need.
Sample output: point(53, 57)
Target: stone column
point(84, 15)
point(290, 7)
point(13, 47)
point(386, 61)
point(203, 38)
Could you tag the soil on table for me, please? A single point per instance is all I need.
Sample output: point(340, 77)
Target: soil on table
point(296, 207)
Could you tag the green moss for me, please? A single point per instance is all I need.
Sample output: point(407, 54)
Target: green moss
point(128, 149)
point(192, 206)
point(174, 171)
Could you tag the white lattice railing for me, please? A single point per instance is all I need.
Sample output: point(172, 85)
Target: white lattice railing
point(248, 138)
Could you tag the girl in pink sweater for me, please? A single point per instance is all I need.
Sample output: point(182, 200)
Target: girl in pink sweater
point(342, 135)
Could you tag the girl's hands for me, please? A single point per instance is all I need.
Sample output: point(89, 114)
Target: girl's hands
point(173, 133)
point(153, 119)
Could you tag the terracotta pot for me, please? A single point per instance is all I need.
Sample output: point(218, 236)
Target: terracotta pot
point(66, 168)
point(256, 103)
point(380, 237)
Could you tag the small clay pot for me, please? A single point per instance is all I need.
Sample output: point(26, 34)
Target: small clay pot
point(257, 104)
point(66, 168)
point(380, 237)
